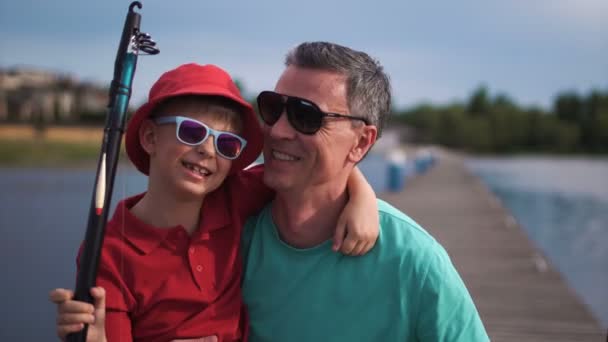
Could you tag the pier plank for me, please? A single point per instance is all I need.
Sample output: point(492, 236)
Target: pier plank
point(518, 293)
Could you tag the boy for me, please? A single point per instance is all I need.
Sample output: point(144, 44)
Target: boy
point(170, 263)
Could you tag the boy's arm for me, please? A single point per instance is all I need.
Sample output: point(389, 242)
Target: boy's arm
point(253, 193)
point(118, 326)
point(359, 224)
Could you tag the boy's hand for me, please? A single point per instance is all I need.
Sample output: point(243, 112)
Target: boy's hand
point(358, 228)
point(72, 315)
point(359, 224)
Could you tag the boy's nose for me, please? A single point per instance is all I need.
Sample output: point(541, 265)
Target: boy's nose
point(207, 147)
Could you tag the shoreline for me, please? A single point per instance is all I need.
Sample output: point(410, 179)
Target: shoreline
point(78, 146)
point(54, 146)
point(22, 145)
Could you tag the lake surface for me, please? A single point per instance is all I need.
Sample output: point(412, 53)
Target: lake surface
point(562, 204)
point(43, 215)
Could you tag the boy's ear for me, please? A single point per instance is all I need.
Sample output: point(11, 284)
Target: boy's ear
point(148, 136)
point(365, 139)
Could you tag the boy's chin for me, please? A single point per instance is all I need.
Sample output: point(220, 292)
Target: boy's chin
point(196, 191)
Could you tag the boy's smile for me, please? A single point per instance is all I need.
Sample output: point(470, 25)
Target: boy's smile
point(196, 169)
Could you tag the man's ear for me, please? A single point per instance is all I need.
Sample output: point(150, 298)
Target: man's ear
point(148, 136)
point(365, 139)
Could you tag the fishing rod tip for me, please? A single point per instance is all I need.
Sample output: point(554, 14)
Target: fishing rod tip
point(135, 4)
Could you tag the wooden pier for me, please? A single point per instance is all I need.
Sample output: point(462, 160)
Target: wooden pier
point(519, 295)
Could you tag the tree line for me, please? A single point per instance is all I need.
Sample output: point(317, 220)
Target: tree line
point(575, 123)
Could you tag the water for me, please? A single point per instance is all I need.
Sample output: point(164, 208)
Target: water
point(43, 215)
point(562, 204)
point(43, 212)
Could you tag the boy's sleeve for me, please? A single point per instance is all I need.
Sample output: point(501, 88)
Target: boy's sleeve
point(118, 326)
point(119, 301)
point(252, 193)
point(446, 311)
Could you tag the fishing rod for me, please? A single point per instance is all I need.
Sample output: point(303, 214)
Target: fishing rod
point(133, 42)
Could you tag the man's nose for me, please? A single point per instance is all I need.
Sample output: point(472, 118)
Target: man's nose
point(282, 129)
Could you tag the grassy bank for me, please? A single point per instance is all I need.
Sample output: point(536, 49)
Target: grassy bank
point(54, 147)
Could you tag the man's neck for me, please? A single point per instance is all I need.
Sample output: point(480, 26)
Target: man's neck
point(162, 210)
point(305, 219)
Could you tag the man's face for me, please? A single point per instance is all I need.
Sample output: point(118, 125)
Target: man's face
point(300, 162)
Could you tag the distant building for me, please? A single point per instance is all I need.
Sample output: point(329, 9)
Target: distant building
point(28, 95)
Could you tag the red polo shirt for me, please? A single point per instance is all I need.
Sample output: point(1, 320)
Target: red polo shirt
point(162, 284)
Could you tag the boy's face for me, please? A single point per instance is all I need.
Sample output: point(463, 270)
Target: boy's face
point(186, 172)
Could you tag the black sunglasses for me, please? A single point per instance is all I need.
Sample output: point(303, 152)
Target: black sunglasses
point(303, 115)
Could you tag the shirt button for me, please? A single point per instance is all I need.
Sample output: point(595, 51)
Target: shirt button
point(191, 250)
point(199, 268)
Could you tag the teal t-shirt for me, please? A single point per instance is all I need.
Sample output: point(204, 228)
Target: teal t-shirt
point(404, 289)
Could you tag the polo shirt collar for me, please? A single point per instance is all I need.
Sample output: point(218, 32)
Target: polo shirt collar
point(215, 214)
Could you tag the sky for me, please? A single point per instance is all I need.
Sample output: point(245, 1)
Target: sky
point(434, 51)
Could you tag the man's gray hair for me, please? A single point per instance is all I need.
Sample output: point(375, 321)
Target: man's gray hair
point(368, 89)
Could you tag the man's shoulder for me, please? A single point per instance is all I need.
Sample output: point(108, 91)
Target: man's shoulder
point(399, 225)
point(402, 235)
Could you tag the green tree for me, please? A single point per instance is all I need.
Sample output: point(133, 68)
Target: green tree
point(479, 103)
point(590, 123)
point(568, 106)
point(558, 136)
point(499, 125)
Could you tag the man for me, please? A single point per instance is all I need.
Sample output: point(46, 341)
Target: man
point(326, 112)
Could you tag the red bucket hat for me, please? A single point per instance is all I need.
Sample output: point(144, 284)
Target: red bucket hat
point(194, 79)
